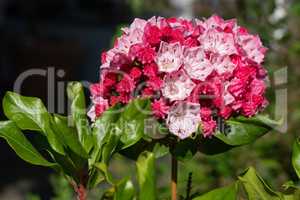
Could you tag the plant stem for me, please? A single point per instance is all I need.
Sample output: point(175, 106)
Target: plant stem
point(174, 177)
point(81, 192)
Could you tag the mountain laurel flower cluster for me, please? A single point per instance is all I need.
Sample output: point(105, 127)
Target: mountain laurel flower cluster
point(194, 71)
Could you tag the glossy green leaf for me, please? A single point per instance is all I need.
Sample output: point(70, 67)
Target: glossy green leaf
point(102, 167)
point(244, 130)
point(146, 176)
point(105, 142)
point(23, 148)
point(29, 113)
point(132, 121)
point(119, 128)
point(157, 147)
point(225, 193)
point(124, 190)
point(68, 134)
point(256, 188)
point(79, 114)
point(296, 157)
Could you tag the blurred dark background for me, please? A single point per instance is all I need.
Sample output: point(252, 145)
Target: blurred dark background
point(69, 35)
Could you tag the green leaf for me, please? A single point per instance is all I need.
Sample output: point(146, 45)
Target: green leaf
point(146, 176)
point(23, 148)
point(68, 134)
point(29, 113)
point(124, 190)
point(119, 128)
point(245, 130)
point(225, 193)
point(102, 167)
point(155, 146)
point(105, 142)
point(132, 121)
point(256, 188)
point(79, 114)
point(296, 157)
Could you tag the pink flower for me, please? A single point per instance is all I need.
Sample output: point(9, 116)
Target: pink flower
point(144, 54)
point(150, 70)
point(223, 65)
point(250, 107)
point(119, 61)
point(237, 87)
point(196, 64)
point(225, 112)
point(208, 127)
point(183, 119)
point(124, 97)
point(155, 83)
point(135, 73)
point(136, 24)
point(107, 57)
point(212, 63)
point(125, 85)
point(258, 87)
point(152, 35)
point(245, 72)
point(100, 106)
point(97, 89)
point(169, 57)
point(218, 42)
point(205, 113)
point(147, 92)
point(252, 47)
point(228, 98)
point(159, 108)
point(191, 42)
point(177, 86)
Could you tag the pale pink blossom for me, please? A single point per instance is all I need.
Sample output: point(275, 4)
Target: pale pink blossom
point(136, 24)
point(223, 65)
point(228, 98)
point(126, 41)
point(213, 63)
point(177, 86)
point(169, 57)
point(217, 22)
point(218, 42)
point(253, 47)
point(108, 58)
point(100, 105)
point(196, 64)
point(183, 119)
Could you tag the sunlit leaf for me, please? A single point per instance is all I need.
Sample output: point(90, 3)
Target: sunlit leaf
point(146, 176)
point(79, 114)
point(225, 193)
point(29, 113)
point(256, 188)
point(23, 148)
point(242, 130)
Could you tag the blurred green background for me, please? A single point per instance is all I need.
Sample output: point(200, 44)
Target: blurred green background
point(278, 24)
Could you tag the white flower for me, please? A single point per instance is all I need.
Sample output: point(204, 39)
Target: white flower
point(169, 57)
point(177, 86)
point(183, 119)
